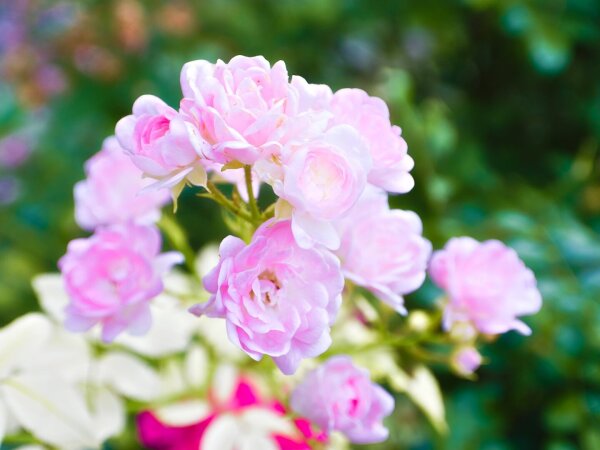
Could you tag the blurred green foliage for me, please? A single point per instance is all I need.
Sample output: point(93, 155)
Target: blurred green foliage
point(499, 101)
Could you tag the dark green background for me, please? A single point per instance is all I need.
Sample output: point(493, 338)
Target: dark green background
point(499, 102)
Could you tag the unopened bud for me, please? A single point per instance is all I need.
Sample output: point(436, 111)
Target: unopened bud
point(419, 321)
point(466, 360)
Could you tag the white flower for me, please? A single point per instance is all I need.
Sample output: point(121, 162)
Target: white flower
point(250, 429)
point(40, 370)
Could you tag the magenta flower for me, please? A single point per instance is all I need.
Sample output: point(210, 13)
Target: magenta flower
point(242, 419)
point(340, 396)
point(371, 117)
point(111, 192)
point(277, 298)
point(156, 435)
point(111, 276)
point(383, 249)
point(163, 143)
point(240, 105)
point(487, 285)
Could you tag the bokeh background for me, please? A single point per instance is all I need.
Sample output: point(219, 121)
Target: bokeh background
point(499, 101)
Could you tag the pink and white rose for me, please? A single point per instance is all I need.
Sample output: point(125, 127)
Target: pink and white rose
point(111, 192)
point(487, 285)
point(277, 299)
point(163, 143)
point(322, 179)
point(371, 118)
point(111, 277)
point(383, 249)
point(338, 396)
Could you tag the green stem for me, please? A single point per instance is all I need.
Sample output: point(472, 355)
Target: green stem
point(20, 439)
point(178, 239)
point(269, 212)
point(251, 200)
point(426, 355)
point(222, 200)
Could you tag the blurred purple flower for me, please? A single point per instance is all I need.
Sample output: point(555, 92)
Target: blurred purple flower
point(10, 190)
point(14, 151)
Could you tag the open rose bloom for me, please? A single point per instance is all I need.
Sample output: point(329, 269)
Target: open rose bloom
point(248, 347)
point(163, 143)
point(240, 106)
point(388, 150)
point(340, 396)
point(277, 298)
point(111, 278)
point(383, 249)
point(487, 285)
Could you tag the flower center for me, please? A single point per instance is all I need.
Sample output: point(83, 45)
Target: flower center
point(269, 286)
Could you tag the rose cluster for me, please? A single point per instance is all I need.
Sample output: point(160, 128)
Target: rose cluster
point(331, 159)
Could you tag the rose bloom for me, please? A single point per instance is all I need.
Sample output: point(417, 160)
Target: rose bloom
point(322, 180)
point(111, 192)
point(163, 144)
point(487, 285)
point(111, 276)
point(383, 249)
point(371, 117)
point(277, 298)
point(240, 106)
point(340, 396)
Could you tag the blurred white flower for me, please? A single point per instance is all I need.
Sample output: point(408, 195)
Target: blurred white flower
point(41, 370)
point(128, 375)
point(250, 429)
point(207, 259)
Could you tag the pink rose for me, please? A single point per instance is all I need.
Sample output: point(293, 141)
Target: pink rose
point(371, 117)
point(487, 285)
point(322, 180)
point(111, 192)
point(383, 249)
point(163, 143)
point(241, 106)
point(277, 298)
point(340, 396)
point(305, 96)
point(111, 276)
